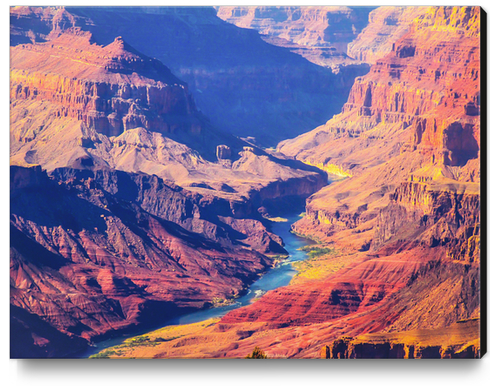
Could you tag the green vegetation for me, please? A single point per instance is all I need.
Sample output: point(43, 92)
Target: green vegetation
point(322, 261)
point(257, 354)
point(304, 236)
point(106, 354)
point(220, 302)
point(139, 341)
point(316, 251)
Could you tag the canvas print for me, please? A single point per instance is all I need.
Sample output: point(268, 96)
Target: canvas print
point(245, 182)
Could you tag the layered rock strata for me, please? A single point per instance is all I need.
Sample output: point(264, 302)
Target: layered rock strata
point(407, 219)
point(320, 34)
point(407, 120)
point(120, 109)
point(385, 26)
point(91, 263)
point(111, 88)
point(229, 70)
point(460, 340)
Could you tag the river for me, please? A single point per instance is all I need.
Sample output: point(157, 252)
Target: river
point(276, 277)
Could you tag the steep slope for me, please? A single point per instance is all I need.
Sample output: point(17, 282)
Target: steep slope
point(385, 26)
point(112, 239)
point(320, 34)
point(230, 71)
point(406, 220)
point(414, 117)
point(77, 104)
point(90, 263)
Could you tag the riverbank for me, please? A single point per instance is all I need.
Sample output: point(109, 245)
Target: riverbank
point(279, 276)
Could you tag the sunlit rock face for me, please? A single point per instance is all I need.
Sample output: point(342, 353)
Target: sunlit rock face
point(404, 222)
point(230, 71)
point(112, 88)
point(408, 139)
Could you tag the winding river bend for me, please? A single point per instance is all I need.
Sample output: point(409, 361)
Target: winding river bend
point(276, 277)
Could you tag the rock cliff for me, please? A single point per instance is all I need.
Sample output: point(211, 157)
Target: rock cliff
point(405, 221)
point(77, 104)
point(230, 71)
point(91, 263)
point(409, 119)
point(417, 96)
point(320, 34)
point(385, 26)
point(460, 340)
point(111, 88)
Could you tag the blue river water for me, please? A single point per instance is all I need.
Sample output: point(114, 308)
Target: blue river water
point(276, 277)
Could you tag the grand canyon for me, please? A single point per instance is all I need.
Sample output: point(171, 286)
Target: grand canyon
point(246, 182)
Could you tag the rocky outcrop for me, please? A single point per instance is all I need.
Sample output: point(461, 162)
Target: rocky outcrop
point(404, 121)
point(320, 34)
point(357, 288)
point(412, 150)
point(460, 340)
point(99, 86)
point(385, 26)
point(120, 109)
point(433, 217)
point(223, 152)
point(414, 98)
point(90, 263)
point(230, 71)
point(203, 214)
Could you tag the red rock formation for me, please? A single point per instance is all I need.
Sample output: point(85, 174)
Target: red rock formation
point(112, 88)
point(230, 71)
point(405, 120)
point(386, 25)
point(415, 91)
point(126, 249)
point(353, 289)
point(89, 263)
point(460, 340)
point(413, 195)
point(408, 216)
point(123, 110)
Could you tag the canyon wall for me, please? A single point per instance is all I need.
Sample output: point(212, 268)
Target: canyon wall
point(460, 340)
point(398, 234)
point(320, 34)
point(408, 148)
point(98, 86)
point(414, 117)
point(385, 26)
point(230, 71)
point(90, 263)
point(123, 211)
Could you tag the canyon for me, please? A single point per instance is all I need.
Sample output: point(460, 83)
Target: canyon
point(128, 207)
point(319, 34)
point(229, 85)
point(140, 206)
